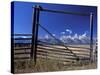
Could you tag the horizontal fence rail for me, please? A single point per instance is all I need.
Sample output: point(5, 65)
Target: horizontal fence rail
point(62, 12)
point(46, 52)
point(22, 38)
point(44, 43)
point(21, 34)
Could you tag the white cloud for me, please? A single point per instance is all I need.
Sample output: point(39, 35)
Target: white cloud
point(83, 36)
point(69, 39)
point(46, 36)
point(75, 36)
point(66, 39)
point(75, 39)
point(54, 34)
point(62, 32)
point(70, 32)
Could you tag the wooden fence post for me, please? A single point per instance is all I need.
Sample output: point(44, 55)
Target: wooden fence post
point(91, 37)
point(35, 33)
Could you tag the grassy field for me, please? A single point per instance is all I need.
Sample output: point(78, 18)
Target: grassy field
point(43, 65)
point(50, 59)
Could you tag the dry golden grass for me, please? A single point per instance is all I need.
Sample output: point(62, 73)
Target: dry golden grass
point(44, 65)
point(50, 65)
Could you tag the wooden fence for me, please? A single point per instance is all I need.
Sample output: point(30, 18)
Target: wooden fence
point(46, 50)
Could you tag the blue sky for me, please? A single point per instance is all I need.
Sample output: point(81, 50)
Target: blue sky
point(57, 24)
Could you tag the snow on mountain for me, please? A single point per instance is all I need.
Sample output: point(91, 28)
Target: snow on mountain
point(69, 39)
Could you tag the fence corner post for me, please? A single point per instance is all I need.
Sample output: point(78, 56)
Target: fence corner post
point(35, 24)
point(91, 37)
